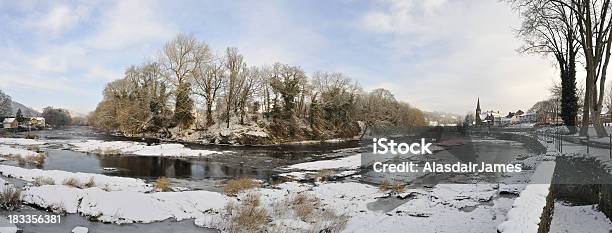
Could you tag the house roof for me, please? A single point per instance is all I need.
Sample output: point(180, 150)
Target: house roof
point(8, 120)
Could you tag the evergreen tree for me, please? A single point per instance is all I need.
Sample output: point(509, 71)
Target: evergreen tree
point(184, 106)
point(569, 99)
point(19, 117)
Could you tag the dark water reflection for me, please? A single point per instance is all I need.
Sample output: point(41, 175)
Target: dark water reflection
point(150, 166)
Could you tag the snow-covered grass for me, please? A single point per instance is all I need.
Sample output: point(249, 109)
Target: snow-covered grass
point(111, 183)
point(138, 148)
point(587, 218)
point(529, 206)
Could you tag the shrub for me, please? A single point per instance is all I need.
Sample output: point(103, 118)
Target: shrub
point(233, 187)
point(72, 182)
point(41, 180)
point(162, 184)
point(10, 198)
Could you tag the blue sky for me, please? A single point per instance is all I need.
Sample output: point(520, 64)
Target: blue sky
point(437, 55)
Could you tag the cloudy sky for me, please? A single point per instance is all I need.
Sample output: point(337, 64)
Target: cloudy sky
point(437, 55)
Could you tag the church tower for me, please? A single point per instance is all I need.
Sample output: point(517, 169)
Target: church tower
point(477, 117)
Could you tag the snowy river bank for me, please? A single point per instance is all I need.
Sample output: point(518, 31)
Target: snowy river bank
point(127, 194)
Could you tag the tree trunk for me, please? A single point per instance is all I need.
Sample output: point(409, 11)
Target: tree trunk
point(209, 117)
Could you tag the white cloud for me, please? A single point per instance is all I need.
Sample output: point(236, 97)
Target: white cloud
point(446, 54)
point(270, 34)
point(57, 19)
point(130, 23)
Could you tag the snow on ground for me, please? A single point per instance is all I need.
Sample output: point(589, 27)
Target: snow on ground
point(21, 141)
point(138, 148)
point(422, 213)
point(521, 125)
point(7, 227)
point(111, 183)
point(350, 162)
point(528, 207)
point(80, 229)
point(497, 141)
point(587, 218)
point(15, 151)
point(125, 206)
point(423, 209)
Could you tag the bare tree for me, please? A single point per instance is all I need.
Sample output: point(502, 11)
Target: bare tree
point(179, 60)
point(208, 79)
point(549, 28)
point(234, 64)
point(594, 21)
point(248, 83)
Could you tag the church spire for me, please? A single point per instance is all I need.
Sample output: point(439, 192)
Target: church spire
point(478, 105)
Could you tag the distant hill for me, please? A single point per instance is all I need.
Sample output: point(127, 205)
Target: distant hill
point(28, 112)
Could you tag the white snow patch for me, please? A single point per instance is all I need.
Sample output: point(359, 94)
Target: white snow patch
point(111, 183)
point(126, 206)
point(80, 229)
point(579, 219)
point(528, 207)
point(60, 198)
point(350, 162)
point(10, 151)
point(21, 141)
point(138, 148)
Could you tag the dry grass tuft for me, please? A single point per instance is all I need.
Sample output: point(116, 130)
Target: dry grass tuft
point(90, 183)
point(34, 148)
point(325, 174)
point(251, 199)
point(304, 205)
point(20, 160)
point(41, 180)
point(162, 184)
point(248, 216)
point(329, 221)
point(58, 208)
point(395, 187)
point(38, 159)
point(233, 187)
point(72, 182)
point(10, 198)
